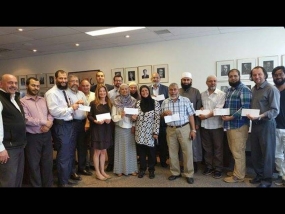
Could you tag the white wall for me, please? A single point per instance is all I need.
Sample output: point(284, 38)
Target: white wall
point(195, 55)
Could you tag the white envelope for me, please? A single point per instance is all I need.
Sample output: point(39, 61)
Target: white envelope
point(131, 111)
point(171, 118)
point(104, 116)
point(221, 111)
point(158, 97)
point(84, 108)
point(203, 112)
point(252, 112)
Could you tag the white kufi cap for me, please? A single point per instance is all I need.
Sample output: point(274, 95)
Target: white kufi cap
point(186, 74)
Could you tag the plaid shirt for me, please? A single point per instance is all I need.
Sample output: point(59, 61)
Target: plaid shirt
point(237, 99)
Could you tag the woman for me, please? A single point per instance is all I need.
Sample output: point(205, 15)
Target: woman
point(147, 130)
point(101, 130)
point(134, 90)
point(125, 157)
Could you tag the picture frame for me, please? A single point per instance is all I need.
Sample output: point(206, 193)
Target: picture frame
point(22, 81)
point(245, 66)
point(223, 68)
point(90, 75)
point(131, 75)
point(144, 74)
point(50, 80)
point(268, 63)
point(116, 71)
point(283, 60)
point(22, 93)
point(162, 70)
point(223, 86)
point(31, 75)
point(43, 80)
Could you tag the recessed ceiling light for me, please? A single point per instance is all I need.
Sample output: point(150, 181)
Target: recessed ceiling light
point(20, 29)
point(127, 36)
point(77, 44)
point(34, 50)
point(112, 30)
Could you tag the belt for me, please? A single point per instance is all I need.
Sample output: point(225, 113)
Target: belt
point(178, 126)
point(76, 120)
point(58, 121)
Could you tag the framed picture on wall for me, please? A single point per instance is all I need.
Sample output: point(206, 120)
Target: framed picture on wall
point(162, 70)
point(223, 68)
point(131, 75)
point(283, 60)
point(268, 62)
point(245, 66)
point(144, 74)
point(22, 93)
point(223, 86)
point(43, 79)
point(50, 80)
point(22, 81)
point(90, 75)
point(116, 71)
point(31, 75)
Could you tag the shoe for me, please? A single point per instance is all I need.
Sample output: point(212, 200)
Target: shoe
point(76, 177)
point(261, 185)
point(134, 174)
point(72, 182)
point(195, 164)
point(217, 174)
point(232, 179)
point(85, 172)
point(173, 177)
point(109, 168)
point(141, 174)
point(280, 182)
point(190, 180)
point(107, 176)
point(230, 174)
point(208, 171)
point(164, 165)
point(151, 174)
point(120, 174)
point(101, 178)
point(255, 180)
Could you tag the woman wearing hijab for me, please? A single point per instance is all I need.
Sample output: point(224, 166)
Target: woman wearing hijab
point(134, 90)
point(125, 155)
point(147, 130)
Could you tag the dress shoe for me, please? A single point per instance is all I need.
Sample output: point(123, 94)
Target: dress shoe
point(190, 180)
point(76, 177)
point(173, 177)
point(255, 180)
point(164, 165)
point(101, 178)
point(151, 174)
point(109, 168)
point(85, 172)
point(71, 182)
point(141, 174)
point(263, 185)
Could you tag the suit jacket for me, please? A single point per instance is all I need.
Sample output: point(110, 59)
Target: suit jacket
point(145, 77)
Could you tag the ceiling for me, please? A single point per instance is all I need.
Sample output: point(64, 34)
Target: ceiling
point(52, 40)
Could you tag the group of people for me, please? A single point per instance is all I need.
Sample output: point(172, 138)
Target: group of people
point(130, 126)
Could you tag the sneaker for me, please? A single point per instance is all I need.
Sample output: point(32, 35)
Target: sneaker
point(233, 179)
point(208, 171)
point(217, 174)
point(230, 174)
point(280, 182)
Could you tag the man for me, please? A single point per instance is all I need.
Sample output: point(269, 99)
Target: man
point(39, 149)
point(145, 75)
point(62, 110)
point(237, 127)
point(278, 74)
point(194, 96)
point(246, 68)
point(212, 132)
point(225, 69)
point(117, 81)
point(90, 96)
point(157, 89)
point(265, 97)
point(268, 66)
point(12, 133)
point(132, 76)
point(160, 71)
point(100, 77)
point(179, 132)
point(79, 120)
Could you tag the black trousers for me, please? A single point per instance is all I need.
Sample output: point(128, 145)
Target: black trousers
point(149, 152)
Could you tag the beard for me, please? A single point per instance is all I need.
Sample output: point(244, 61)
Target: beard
point(32, 92)
point(186, 86)
point(234, 84)
point(279, 82)
point(59, 86)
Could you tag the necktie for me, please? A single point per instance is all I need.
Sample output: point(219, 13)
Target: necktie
point(64, 93)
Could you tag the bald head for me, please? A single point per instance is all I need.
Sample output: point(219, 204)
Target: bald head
point(9, 83)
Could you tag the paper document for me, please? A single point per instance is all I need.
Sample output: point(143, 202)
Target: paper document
point(158, 97)
point(131, 111)
point(221, 111)
point(252, 112)
point(171, 118)
point(84, 108)
point(203, 112)
point(101, 117)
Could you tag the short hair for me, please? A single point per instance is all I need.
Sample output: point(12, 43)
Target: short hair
point(29, 80)
point(59, 71)
point(278, 68)
point(234, 69)
point(263, 70)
